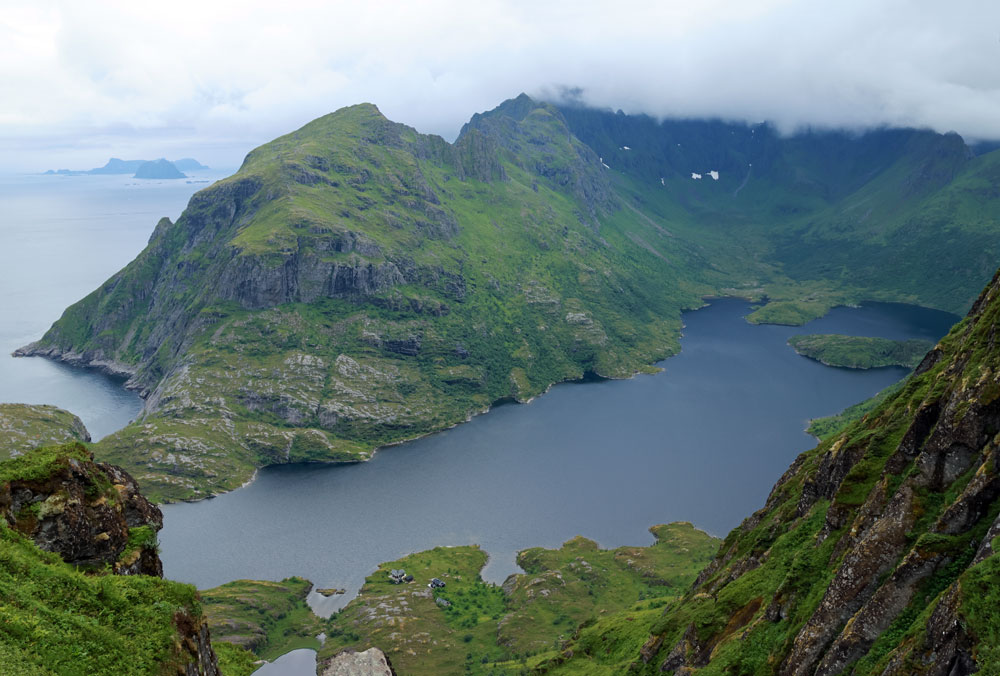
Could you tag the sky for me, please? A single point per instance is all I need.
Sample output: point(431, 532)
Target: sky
point(84, 81)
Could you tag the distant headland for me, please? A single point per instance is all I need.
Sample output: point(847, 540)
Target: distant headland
point(160, 168)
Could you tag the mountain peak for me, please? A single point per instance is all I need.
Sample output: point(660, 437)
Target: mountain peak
point(359, 113)
point(517, 108)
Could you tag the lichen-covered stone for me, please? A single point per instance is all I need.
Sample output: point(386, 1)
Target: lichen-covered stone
point(371, 662)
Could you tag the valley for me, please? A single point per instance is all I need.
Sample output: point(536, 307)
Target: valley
point(357, 285)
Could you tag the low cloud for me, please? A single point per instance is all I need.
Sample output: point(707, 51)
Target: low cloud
point(82, 81)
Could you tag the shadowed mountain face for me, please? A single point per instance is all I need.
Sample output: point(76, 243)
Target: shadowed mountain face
point(907, 211)
point(875, 552)
point(357, 283)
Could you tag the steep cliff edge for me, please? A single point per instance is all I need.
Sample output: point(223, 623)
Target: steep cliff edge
point(81, 590)
point(875, 552)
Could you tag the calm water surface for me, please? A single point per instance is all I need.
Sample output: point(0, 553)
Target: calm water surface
point(61, 237)
point(701, 442)
point(301, 662)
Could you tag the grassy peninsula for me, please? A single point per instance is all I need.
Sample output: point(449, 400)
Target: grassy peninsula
point(860, 352)
point(469, 626)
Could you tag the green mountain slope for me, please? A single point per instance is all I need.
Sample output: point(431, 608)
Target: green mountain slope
point(27, 426)
point(357, 283)
point(891, 213)
point(875, 552)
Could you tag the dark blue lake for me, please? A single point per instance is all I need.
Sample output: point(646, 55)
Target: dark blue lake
point(702, 441)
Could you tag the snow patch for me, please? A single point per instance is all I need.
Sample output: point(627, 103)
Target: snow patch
point(714, 175)
point(604, 165)
point(695, 176)
point(626, 148)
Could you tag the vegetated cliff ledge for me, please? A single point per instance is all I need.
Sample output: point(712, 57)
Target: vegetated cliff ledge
point(357, 283)
point(875, 552)
point(80, 578)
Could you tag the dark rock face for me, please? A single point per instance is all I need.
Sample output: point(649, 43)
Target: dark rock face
point(257, 283)
point(197, 644)
point(84, 513)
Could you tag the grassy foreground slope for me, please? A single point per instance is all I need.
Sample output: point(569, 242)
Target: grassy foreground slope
point(357, 283)
point(875, 552)
point(57, 619)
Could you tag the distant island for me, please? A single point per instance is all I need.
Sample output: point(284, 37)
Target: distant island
point(160, 168)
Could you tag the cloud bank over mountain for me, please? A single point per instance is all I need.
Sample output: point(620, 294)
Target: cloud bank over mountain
point(82, 79)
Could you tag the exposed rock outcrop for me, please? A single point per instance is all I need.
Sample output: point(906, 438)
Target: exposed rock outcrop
point(371, 662)
point(196, 645)
point(91, 514)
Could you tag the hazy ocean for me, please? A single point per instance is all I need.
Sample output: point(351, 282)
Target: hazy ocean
point(60, 238)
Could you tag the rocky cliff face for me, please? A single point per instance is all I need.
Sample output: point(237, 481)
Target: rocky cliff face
point(863, 559)
point(91, 514)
